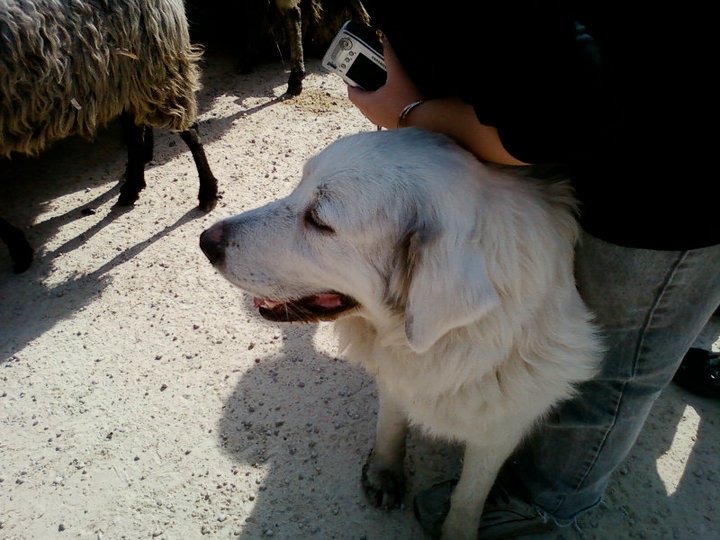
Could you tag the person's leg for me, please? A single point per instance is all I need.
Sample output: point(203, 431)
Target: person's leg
point(651, 306)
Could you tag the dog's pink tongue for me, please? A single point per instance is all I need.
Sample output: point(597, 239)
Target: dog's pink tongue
point(324, 300)
point(327, 300)
point(262, 302)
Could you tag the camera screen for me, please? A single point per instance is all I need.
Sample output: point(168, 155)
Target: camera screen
point(367, 74)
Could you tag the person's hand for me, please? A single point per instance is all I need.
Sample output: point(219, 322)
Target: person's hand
point(450, 115)
point(383, 106)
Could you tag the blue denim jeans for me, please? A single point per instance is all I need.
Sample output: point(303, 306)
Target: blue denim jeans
point(651, 306)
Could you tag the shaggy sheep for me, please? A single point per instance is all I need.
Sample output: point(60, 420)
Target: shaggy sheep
point(302, 26)
point(68, 67)
point(320, 20)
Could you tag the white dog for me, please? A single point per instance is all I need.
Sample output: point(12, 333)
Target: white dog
point(451, 282)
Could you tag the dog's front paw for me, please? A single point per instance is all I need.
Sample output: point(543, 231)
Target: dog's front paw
point(384, 487)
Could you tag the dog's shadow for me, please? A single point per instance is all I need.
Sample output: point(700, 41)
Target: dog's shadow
point(304, 422)
point(301, 423)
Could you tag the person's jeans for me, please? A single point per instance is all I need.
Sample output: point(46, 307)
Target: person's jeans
point(651, 305)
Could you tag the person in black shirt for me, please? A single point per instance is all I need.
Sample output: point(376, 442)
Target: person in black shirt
point(616, 97)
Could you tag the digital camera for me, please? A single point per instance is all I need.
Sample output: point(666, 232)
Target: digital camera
point(355, 55)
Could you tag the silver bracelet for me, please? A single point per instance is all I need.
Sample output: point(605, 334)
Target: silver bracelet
point(402, 119)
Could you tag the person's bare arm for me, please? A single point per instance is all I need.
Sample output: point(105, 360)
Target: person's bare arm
point(450, 116)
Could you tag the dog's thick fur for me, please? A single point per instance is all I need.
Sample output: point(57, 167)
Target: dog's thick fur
point(451, 282)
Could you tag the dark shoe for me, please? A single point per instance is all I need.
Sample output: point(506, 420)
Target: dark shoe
point(504, 517)
point(432, 505)
point(699, 373)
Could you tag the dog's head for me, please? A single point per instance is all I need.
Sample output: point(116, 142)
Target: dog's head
point(382, 225)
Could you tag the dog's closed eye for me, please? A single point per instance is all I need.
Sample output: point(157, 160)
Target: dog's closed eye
point(312, 220)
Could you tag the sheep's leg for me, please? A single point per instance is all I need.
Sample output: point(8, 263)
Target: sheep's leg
point(208, 193)
point(148, 144)
point(20, 251)
point(291, 15)
point(137, 154)
point(127, 122)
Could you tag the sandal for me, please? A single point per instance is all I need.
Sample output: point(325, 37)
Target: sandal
point(699, 373)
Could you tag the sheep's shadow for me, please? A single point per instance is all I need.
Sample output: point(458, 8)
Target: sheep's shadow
point(303, 423)
point(38, 299)
point(25, 297)
point(29, 184)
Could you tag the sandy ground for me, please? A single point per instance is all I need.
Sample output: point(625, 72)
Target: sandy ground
point(142, 397)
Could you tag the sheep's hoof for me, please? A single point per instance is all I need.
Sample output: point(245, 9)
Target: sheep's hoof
point(130, 191)
point(208, 205)
point(294, 87)
point(127, 199)
point(208, 193)
point(22, 258)
point(20, 251)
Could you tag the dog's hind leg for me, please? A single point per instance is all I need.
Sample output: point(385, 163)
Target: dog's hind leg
point(383, 477)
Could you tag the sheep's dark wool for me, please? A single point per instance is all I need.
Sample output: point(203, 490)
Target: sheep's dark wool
point(69, 67)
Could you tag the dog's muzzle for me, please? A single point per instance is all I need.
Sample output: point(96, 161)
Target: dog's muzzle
point(212, 242)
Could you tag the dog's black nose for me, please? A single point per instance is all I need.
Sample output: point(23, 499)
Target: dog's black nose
point(212, 242)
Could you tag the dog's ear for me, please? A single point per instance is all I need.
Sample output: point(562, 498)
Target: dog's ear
point(449, 287)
